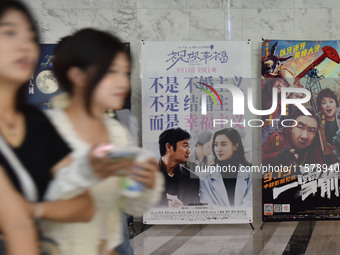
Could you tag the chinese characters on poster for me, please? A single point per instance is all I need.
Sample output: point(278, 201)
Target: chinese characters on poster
point(301, 151)
point(188, 85)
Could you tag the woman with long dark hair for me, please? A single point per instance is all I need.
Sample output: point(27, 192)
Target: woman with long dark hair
point(93, 67)
point(228, 186)
point(27, 134)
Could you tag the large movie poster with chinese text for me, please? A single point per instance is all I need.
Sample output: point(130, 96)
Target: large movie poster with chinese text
point(43, 86)
point(195, 88)
point(300, 137)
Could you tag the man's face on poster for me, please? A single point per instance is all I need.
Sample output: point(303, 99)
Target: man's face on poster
point(303, 134)
point(182, 152)
point(296, 95)
point(280, 83)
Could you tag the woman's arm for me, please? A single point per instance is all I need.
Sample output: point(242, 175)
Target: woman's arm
point(78, 209)
point(73, 177)
point(15, 223)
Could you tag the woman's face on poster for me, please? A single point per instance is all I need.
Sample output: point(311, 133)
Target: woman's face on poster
point(206, 148)
point(223, 147)
point(328, 107)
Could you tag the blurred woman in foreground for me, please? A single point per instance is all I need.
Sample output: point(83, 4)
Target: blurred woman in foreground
point(27, 133)
point(93, 67)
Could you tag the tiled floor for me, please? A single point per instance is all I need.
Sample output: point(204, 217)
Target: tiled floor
point(322, 237)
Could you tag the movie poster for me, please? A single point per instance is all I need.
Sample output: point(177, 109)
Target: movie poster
point(43, 86)
point(300, 135)
point(198, 88)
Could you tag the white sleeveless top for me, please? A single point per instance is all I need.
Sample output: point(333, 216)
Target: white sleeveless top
point(83, 238)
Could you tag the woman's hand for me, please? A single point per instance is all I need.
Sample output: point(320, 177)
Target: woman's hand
point(175, 202)
point(145, 172)
point(78, 209)
point(34, 210)
point(104, 167)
